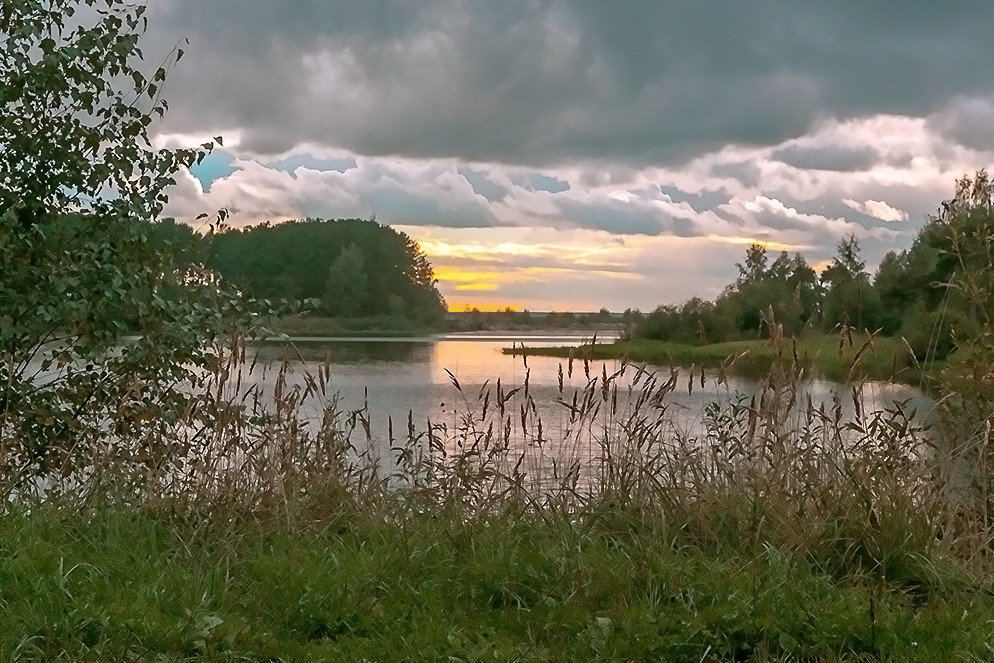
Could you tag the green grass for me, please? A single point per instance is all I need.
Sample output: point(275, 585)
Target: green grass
point(134, 585)
point(883, 358)
point(778, 531)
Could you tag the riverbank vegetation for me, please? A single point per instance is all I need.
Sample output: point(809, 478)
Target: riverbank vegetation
point(153, 506)
point(845, 357)
point(776, 528)
point(915, 294)
point(922, 305)
point(523, 321)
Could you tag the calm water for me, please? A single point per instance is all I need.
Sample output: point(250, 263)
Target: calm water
point(395, 377)
point(398, 377)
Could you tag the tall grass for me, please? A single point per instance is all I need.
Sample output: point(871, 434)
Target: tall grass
point(265, 522)
point(832, 355)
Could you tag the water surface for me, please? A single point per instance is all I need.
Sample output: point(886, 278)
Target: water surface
point(394, 378)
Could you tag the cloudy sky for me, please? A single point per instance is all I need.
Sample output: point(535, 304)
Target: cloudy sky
point(574, 155)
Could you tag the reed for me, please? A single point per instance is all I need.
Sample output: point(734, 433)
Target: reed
point(830, 354)
point(267, 522)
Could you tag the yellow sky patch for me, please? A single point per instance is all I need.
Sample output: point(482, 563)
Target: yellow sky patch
point(544, 271)
point(457, 275)
point(441, 248)
point(494, 252)
point(765, 243)
point(468, 305)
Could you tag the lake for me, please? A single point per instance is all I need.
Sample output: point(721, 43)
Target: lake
point(392, 379)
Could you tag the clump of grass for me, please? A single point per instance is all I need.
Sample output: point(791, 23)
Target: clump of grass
point(830, 355)
point(266, 523)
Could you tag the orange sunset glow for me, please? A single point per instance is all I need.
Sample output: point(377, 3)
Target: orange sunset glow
point(592, 194)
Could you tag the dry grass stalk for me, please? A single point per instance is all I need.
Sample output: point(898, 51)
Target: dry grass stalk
point(772, 468)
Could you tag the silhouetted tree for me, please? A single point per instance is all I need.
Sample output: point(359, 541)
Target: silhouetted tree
point(849, 297)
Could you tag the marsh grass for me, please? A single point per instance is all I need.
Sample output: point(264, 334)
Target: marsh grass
point(265, 524)
point(833, 356)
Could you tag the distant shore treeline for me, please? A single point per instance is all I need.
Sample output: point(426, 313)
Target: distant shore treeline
point(915, 293)
point(514, 320)
point(347, 268)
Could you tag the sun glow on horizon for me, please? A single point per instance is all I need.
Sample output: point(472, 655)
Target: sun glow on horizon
point(767, 244)
point(477, 286)
point(483, 307)
point(577, 270)
point(443, 249)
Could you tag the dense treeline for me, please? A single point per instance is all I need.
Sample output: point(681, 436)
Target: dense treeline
point(474, 319)
point(349, 267)
point(916, 293)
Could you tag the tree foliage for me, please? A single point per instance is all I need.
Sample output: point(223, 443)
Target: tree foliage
point(80, 185)
point(937, 293)
point(346, 289)
point(849, 298)
point(787, 287)
point(353, 267)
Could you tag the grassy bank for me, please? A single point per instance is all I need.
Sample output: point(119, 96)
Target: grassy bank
point(389, 584)
point(777, 530)
point(852, 358)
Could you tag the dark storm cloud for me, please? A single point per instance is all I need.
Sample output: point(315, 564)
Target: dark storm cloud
point(395, 205)
point(842, 158)
point(292, 163)
point(969, 122)
point(549, 82)
point(746, 173)
point(700, 202)
point(614, 216)
point(482, 185)
point(537, 182)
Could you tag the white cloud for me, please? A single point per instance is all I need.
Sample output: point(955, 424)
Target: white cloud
point(877, 209)
point(679, 230)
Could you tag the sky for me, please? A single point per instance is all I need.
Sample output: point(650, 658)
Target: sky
point(553, 155)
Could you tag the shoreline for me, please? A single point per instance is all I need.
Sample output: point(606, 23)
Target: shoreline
point(882, 359)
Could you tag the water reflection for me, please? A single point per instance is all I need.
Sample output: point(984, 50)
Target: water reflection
point(394, 379)
point(346, 351)
point(449, 392)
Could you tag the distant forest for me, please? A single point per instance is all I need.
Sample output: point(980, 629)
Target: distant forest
point(914, 293)
point(354, 268)
point(348, 268)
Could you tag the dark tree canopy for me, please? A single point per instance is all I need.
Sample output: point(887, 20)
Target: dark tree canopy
point(945, 281)
point(849, 298)
point(787, 288)
point(353, 267)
